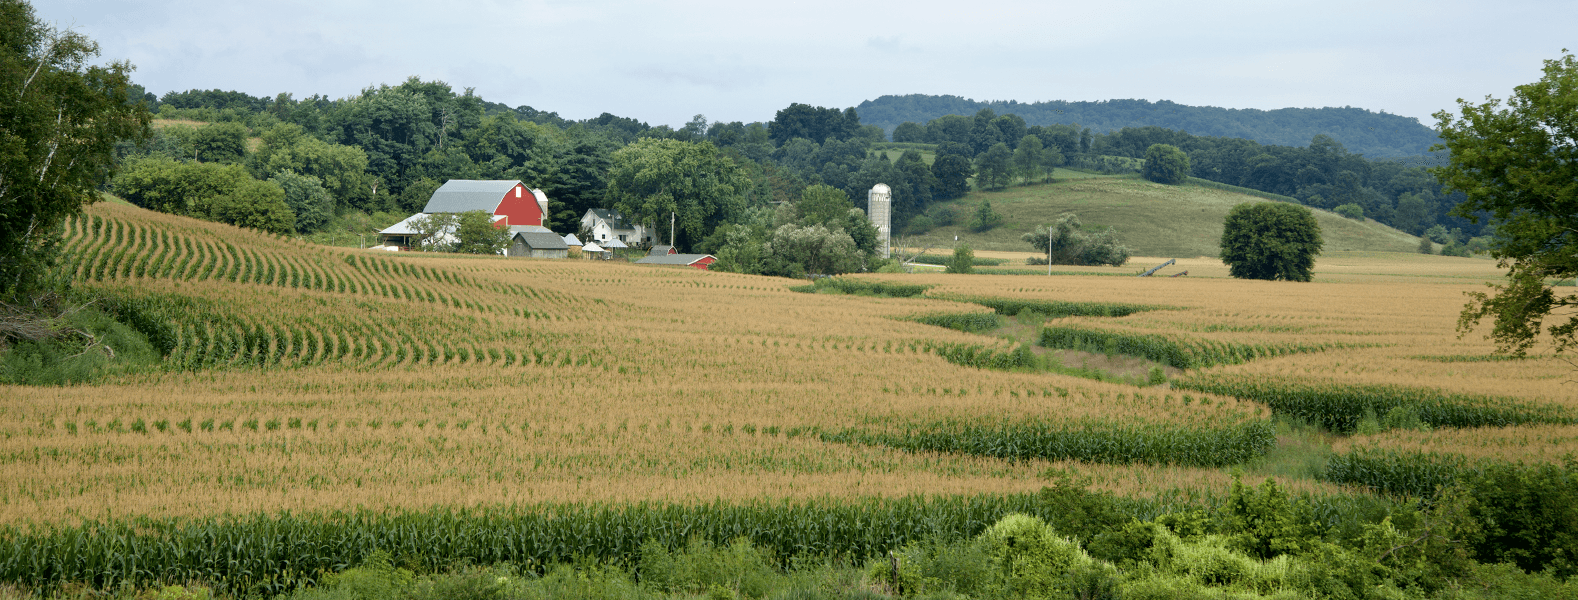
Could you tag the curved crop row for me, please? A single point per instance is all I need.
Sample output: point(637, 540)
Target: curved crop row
point(1053, 308)
point(1340, 406)
point(1100, 441)
point(1182, 353)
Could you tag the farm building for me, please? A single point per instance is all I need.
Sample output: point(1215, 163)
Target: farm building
point(537, 242)
point(607, 225)
point(574, 244)
point(699, 261)
point(661, 250)
point(407, 234)
point(509, 201)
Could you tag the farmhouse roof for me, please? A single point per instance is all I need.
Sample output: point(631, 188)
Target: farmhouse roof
point(406, 226)
point(671, 259)
point(537, 240)
point(613, 218)
point(461, 195)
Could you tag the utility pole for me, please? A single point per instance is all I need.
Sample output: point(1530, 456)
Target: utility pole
point(671, 229)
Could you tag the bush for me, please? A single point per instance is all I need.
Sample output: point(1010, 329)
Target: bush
point(1029, 559)
point(963, 260)
point(1350, 211)
point(1426, 246)
point(985, 218)
point(1072, 246)
point(88, 345)
point(1455, 249)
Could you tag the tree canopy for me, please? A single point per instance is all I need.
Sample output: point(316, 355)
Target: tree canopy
point(814, 123)
point(1519, 164)
point(652, 178)
point(1065, 243)
point(1271, 240)
point(59, 122)
point(1165, 163)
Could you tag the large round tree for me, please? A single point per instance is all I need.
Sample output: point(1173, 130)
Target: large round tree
point(1271, 240)
point(1165, 163)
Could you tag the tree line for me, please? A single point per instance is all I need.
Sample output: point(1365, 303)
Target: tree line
point(386, 149)
point(1374, 134)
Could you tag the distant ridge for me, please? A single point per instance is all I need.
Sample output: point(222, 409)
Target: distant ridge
point(1373, 134)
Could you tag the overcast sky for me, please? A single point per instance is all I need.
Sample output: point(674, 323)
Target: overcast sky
point(740, 61)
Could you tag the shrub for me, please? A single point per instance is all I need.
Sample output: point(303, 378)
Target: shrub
point(1350, 211)
point(963, 260)
point(985, 218)
point(1072, 246)
point(1029, 559)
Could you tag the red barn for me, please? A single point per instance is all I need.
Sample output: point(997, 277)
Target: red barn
point(510, 202)
point(509, 199)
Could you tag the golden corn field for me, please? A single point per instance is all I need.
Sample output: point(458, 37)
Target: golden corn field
point(307, 378)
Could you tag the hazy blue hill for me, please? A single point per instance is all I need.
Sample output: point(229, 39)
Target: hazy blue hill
point(1373, 134)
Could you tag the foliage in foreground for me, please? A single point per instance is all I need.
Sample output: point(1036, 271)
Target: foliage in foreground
point(1256, 542)
point(1527, 512)
point(61, 119)
point(1517, 164)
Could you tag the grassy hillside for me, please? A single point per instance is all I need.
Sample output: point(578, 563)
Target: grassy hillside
point(1151, 218)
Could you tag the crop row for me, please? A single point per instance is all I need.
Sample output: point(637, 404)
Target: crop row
point(269, 554)
point(966, 322)
point(1340, 406)
point(1417, 474)
point(108, 249)
point(940, 259)
point(1053, 309)
point(861, 287)
point(982, 356)
point(1182, 353)
point(1091, 440)
point(194, 334)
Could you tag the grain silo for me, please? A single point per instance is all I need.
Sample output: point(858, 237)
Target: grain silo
point(879, 205)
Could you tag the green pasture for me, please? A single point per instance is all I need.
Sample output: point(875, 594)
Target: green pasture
point(1150, 218)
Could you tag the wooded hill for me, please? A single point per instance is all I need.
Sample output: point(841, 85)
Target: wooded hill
point(1372, 134)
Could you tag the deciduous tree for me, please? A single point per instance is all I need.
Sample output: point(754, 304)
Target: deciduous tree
point(653, 178)
point(1271, 240)
point(1519, 164)
point(1165, 163)
point(994, 168)
point(59, 121)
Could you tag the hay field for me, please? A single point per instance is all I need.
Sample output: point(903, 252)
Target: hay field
point(302, 377)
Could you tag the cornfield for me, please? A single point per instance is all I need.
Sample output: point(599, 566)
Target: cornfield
point(331, 401)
